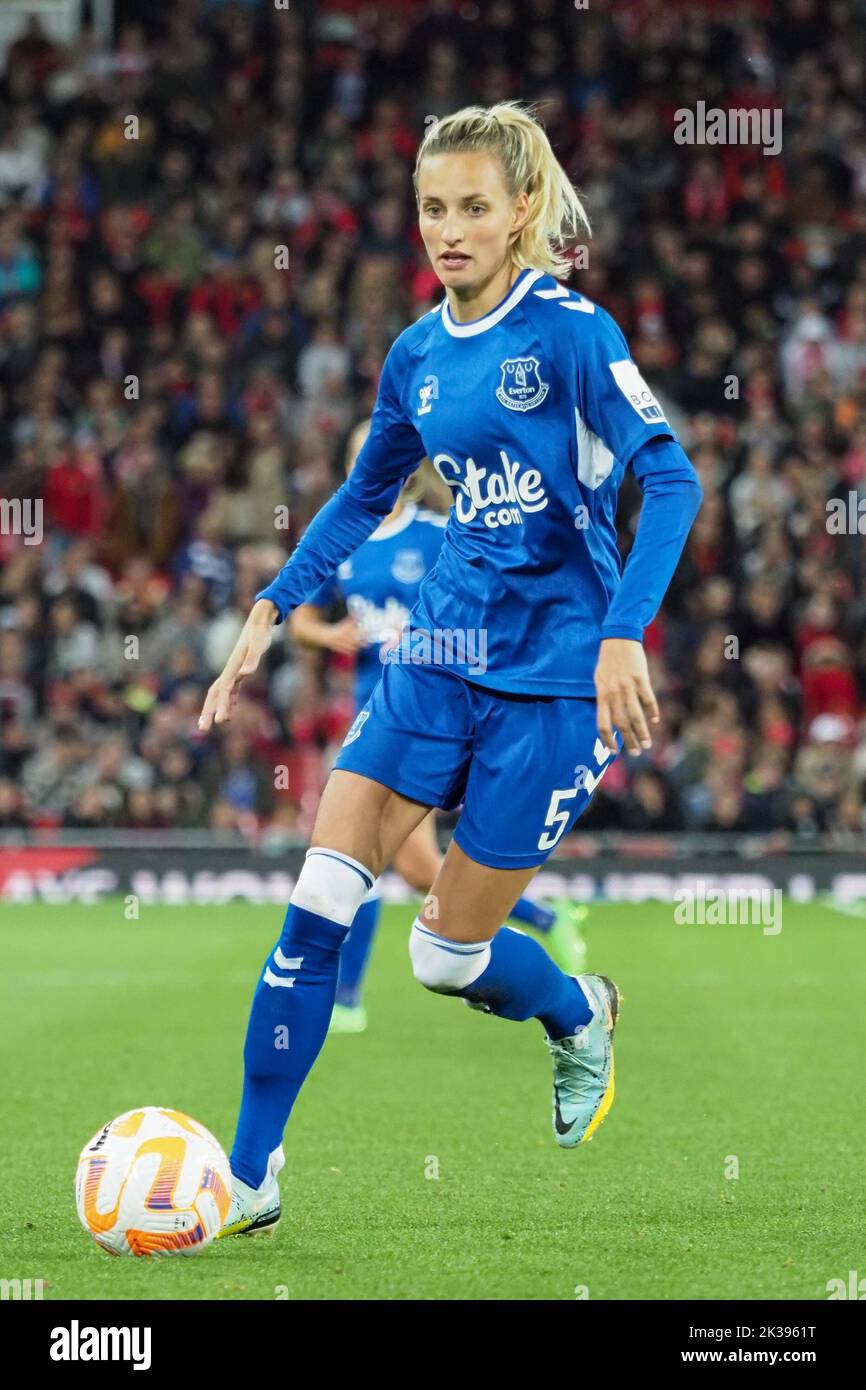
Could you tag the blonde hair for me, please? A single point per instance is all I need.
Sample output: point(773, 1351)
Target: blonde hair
point(424, 485)
point(512, 133)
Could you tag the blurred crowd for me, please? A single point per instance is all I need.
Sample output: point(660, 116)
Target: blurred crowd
point(208, 242)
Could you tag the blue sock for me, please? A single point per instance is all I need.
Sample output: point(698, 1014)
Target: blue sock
point(533, 914)
point(356, 952)
point(288, 1024)
point(521, 981)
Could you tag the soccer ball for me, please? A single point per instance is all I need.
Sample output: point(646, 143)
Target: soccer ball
point(153, 1182)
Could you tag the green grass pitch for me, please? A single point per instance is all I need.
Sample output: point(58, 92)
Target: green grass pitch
point(732, 1045)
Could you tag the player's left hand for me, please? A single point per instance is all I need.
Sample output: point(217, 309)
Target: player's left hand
point(624, 694)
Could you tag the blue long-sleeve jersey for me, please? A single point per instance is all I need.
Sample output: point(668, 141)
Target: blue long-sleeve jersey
point(379, 584)
point(531, 414)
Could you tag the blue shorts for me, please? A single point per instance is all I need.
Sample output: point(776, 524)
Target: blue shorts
point(524, 766)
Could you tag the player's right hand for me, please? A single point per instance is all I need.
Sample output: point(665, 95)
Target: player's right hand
point(252, 643)
point(345, 636)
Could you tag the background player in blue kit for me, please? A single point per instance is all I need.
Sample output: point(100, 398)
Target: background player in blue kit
point(523, 396)
point(379, 584)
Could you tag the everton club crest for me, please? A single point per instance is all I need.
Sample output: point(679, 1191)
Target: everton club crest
point(521, 387)
point(408, 566)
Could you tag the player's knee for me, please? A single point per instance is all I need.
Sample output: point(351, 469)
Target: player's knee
point(445, 966)
point(332, 885)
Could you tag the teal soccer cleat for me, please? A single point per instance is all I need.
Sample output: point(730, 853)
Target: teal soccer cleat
point(255, 1210)
point(583, 1073)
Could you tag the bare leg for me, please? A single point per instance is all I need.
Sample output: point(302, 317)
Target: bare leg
point(457, 948)
point(471, 900)
point(364, 819)
point(419, 859)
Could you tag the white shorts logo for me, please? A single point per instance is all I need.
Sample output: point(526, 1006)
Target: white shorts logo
point(636, 391)
point(356, 728)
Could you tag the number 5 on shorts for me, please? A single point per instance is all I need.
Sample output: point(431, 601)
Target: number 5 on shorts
point(560, 818)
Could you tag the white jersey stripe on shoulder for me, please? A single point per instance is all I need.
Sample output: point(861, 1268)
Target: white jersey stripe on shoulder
point(559, 292)
point(578, 305)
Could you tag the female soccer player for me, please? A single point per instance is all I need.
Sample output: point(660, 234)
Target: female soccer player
point(524, 397)
point(379, 584)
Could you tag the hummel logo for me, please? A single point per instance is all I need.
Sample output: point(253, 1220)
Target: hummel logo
point(278, 980)
point(285, 963)
point(577, 305)
point(428, 393)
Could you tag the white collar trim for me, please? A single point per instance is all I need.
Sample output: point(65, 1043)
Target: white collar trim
point(393, 528)
point(469, 330)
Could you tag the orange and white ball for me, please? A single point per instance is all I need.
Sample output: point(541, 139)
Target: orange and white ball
point(153, 1182)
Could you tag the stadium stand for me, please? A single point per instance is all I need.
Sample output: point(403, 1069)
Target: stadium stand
point(194, 310)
